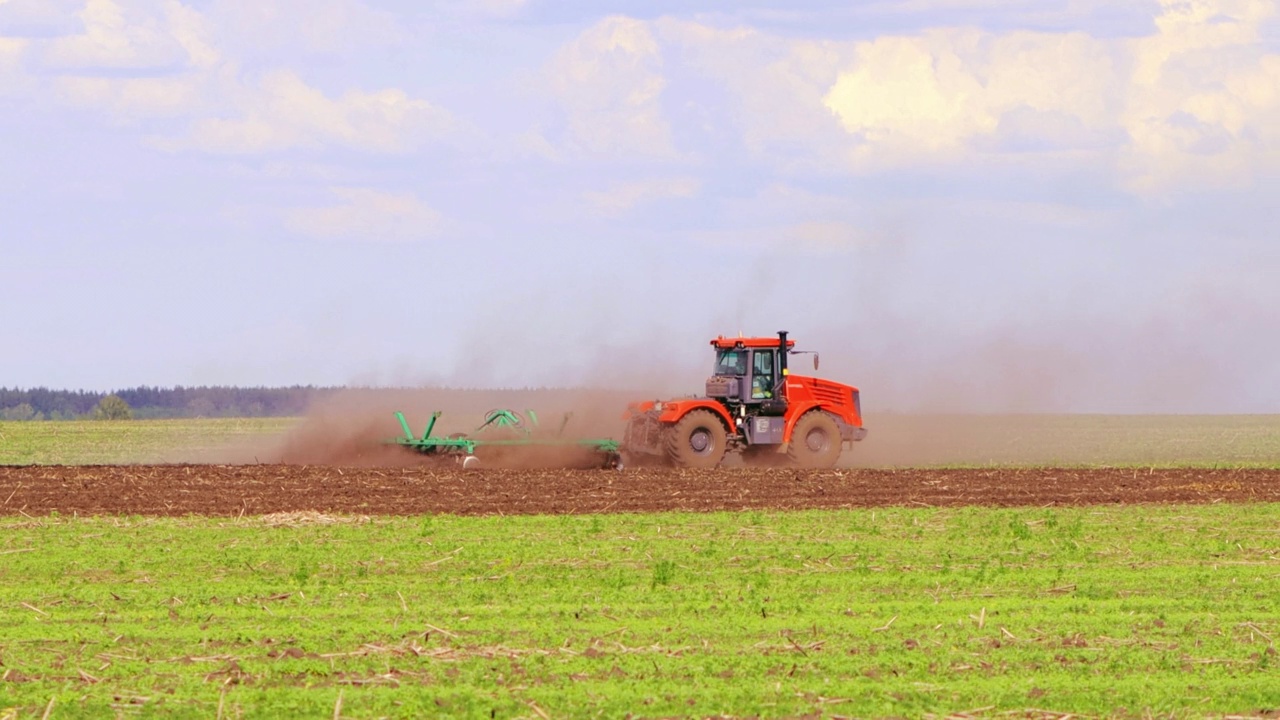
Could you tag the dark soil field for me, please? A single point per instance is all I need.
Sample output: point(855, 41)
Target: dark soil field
point(232, 490)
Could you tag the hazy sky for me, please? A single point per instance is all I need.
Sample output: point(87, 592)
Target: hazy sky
point(965, 204)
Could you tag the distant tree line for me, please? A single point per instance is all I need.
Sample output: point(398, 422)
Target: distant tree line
point(156, 402)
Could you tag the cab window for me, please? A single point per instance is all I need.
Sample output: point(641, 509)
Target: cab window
point(763, 363)
point(762, 375)
point(731, 362)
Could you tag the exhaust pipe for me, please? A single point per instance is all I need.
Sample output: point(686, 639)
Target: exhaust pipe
point(782, 352)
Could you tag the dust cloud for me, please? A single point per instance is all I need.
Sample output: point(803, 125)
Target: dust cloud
point(928, 398)
point(939, 384)
point(353, 427)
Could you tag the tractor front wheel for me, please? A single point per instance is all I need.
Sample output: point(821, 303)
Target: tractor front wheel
point(815, 441)
point(697, 440)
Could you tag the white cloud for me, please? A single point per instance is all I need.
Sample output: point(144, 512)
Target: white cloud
point(116, 39)
point(281, 111)
point(779, 84)
point(321, 26)
point(533, 143)
point(39, 18)
point(133, 99)
point(900, 100)
point(230, 113)
point(11, 54)
point(929, 97)
point(1195, 103)
point(609, 80)
point(1204, 104)
point(174, 38)
point(625, 196)
point(491, 8)
point(367, 215)
point(192, 32)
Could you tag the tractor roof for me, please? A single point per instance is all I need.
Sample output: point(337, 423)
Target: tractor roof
point(728, 343)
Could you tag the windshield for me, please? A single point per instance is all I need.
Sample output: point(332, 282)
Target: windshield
point(731, 362)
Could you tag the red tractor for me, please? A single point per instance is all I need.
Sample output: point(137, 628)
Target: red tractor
point(753, 406)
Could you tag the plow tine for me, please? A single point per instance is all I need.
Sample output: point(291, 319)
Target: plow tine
point(430, 426)
point(404, 425)
point(408, 433)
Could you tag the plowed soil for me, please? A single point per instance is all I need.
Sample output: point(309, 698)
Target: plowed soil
point(259, 489)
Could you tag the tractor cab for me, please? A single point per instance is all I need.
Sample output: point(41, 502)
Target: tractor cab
point(749, 371)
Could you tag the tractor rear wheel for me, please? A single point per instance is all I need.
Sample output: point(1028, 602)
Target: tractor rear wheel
point(815, 441)
point(697, 440)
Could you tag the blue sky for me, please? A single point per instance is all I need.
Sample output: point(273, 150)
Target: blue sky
point(965, 204)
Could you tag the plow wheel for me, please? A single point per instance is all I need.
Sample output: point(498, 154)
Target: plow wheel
point(698, 440)
point(815, 441)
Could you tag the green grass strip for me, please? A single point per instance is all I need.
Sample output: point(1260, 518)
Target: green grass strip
point(1170, 610)
point(89, 442)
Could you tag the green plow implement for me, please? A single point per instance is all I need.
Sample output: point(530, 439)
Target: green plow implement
point(505, 428)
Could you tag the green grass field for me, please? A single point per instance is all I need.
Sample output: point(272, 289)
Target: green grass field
point(1130, 611)
point(91, 442)
point(1072, 440)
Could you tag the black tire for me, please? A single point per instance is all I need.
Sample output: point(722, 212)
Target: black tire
point(815, 441)
point(697, 440)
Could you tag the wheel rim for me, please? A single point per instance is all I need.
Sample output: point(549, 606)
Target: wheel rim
point(816, 440)
point(700, 441)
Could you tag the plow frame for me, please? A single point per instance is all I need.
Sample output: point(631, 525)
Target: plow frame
point(465, 446)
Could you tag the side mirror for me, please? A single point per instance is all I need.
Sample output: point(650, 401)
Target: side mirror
point(815, 361)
